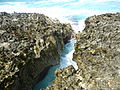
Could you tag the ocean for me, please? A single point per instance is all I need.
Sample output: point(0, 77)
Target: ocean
point(65, 60)
point(67, 11)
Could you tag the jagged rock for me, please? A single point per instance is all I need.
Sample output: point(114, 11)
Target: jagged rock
point(29, 44)
point(97, 54)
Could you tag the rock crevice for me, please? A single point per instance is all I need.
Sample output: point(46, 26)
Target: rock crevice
point(29, 43)
point(97, 54)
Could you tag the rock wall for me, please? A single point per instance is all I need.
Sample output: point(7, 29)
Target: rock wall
point(97, 54)
point(29, 44)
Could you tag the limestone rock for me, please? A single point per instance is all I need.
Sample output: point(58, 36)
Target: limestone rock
point(97, 54)
point(29, 44)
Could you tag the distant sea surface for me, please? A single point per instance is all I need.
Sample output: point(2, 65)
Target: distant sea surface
point(70, 11)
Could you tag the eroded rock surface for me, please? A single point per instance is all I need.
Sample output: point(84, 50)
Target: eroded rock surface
point(29, 44)
point(97, 55)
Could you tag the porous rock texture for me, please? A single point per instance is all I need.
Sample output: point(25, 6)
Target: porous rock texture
point(29, 44)
point(97, 54)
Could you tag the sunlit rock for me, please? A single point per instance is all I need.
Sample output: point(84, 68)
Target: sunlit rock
point(97, 55)
point(29, 44)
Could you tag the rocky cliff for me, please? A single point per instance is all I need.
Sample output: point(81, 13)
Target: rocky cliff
point(97, 55)
point(29, 44)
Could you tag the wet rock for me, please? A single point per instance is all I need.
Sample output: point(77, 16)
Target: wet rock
point(29, 43)
point(97, 55)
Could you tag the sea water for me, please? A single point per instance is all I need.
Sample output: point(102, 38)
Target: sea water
point(67, 11)
point(65, 60)
point(67, 55)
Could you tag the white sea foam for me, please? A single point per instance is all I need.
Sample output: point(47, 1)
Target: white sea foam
point(62, 12)
point(67, 60)
point(79, 27)
point(67, 55)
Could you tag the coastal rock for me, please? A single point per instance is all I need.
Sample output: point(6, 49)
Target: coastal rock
point(29, 44)
point(97, 54)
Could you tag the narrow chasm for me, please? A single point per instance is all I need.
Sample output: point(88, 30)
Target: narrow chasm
point(65, 60)
point(30, 43)
point(97, 53)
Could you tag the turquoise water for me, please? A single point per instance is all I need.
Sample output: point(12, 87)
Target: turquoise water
point(48, 78)
point(70, 11)
point(65, 60)
point(67, 11)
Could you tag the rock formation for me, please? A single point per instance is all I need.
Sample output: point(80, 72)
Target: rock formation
point(29, 44)
point(97, 54)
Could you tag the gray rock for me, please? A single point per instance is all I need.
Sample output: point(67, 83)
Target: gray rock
point(29, 44)
point(97, 55)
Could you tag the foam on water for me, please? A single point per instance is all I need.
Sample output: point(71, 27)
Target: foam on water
point(65, 60)
point(67, 55)
point(70, 11)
